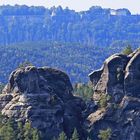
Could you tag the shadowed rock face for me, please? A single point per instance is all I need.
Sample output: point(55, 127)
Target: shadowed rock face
point(111, 77)
point(132, 76)
point(44, 97)
point(119, 76)
point(120, 79)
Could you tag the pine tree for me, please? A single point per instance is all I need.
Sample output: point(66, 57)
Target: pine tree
point(105, 134)
point(75, 135)
point(30, 133)
point(20, 131)
point(128, 50)
point(27, 131)
point(35, 134)
point(62, 136)
point(7, 132)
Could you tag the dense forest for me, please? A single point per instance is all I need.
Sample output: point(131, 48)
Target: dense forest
point(75, 42)
point(75, 59)
point(97, 26)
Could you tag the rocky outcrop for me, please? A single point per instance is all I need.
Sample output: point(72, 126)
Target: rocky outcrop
point(44, 97)
point(120, 80)
point(132, 76)
point(111, 80)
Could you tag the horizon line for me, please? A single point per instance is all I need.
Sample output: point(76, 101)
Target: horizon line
point(65, 7)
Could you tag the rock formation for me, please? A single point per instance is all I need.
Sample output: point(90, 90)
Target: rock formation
point(119, 78)
point(44, 97)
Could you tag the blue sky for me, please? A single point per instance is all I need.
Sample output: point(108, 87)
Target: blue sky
point(78, 5)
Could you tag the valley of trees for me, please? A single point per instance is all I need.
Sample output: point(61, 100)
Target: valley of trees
point(75, 42)
point(75, 59)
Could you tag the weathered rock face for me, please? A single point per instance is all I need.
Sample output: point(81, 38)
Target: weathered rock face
point(124, 120)
point(119, 76)
point(44, 97)
point(111, 80)
point(132, 76)
point(120, 79)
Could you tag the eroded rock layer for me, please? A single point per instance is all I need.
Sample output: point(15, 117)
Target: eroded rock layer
point(44, 97)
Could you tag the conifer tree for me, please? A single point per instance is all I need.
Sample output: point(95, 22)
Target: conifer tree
point(35, 134)
point(27, 131)
point(20, 131)
point(7, 132)
point(62, 136)
point(75, 135)
point(128, 50)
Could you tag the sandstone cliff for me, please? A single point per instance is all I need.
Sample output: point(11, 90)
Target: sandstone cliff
point(118, 79)
point(44, 97)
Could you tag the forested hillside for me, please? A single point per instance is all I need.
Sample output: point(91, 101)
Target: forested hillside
point(97, 26)
point(76, 42)
point(75, 59)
